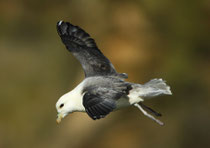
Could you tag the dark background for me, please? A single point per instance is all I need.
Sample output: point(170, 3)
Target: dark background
point(146, 39)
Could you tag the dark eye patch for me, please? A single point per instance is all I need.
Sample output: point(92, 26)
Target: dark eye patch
point(61, 105)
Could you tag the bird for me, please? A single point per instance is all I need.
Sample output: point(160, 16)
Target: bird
point(103, 89)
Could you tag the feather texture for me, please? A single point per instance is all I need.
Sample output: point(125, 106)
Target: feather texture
point(84, 48)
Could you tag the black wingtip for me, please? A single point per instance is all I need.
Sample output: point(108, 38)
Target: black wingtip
point(59, 22)
point(62, 27)
point(74, 34)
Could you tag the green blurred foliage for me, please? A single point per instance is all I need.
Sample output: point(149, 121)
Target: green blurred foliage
point(146, 39)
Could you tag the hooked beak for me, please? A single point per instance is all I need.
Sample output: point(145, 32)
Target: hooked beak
point(59, 117)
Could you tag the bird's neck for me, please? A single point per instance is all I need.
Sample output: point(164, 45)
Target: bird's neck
point(77, 96)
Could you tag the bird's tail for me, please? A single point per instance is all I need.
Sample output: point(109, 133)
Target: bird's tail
point(153, 88)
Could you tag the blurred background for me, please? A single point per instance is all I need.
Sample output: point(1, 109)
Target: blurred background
point(144, 38)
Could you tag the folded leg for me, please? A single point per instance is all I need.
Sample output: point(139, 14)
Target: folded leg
point(148, 115)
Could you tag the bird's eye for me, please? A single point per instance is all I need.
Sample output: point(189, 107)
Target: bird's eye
point(61, 105)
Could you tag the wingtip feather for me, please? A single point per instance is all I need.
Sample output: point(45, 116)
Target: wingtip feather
point(75, 34)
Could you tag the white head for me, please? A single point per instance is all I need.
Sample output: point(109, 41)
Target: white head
point(68, 103)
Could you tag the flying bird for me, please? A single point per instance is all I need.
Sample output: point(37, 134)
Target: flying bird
point(104, 89)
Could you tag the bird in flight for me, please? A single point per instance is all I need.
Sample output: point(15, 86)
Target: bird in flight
point(104, 89)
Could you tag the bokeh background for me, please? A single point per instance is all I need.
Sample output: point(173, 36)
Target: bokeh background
point(144, 38)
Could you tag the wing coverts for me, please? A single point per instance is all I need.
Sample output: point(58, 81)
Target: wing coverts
point(100, 98)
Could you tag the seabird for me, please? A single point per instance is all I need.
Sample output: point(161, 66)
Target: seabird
point(104, 89)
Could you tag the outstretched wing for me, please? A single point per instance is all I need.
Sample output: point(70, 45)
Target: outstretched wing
point(99, 101)
point(84, 48)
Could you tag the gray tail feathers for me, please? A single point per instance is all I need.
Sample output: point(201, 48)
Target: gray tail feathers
point(153, 88)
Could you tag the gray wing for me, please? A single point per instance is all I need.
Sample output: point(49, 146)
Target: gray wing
point(100, 101)
point(99, 105)
point(84, 48)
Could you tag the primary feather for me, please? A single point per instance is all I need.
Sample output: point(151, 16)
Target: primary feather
point(84, 48)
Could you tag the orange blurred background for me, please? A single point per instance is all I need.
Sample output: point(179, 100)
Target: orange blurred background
point(145, 39)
